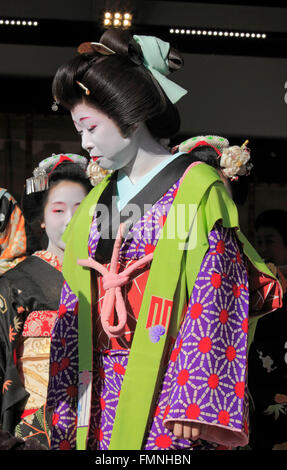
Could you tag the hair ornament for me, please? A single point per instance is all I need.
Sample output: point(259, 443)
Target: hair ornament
point(95, 173)
point(156, 54)
point(131, 50)
point(39, 181)
point(91, 47)
point(150, 51)
point(216, 142)
point(234, 160)
point(55, 105)
point(87, 91)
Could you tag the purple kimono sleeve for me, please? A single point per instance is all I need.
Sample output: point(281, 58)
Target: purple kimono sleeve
point(63, 384)
point(207, 370)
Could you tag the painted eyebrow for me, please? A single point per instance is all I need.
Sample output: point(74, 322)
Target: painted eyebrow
point(88, 117)
point(83, 119)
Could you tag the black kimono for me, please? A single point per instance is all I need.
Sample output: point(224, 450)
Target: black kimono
point(33, 286)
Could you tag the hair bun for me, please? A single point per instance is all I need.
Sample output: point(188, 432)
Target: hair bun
point(123, 44)
point(175, 60)
point(135, 52)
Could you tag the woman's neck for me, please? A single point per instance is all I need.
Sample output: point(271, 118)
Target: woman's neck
point(149, 153)
point(55, 250)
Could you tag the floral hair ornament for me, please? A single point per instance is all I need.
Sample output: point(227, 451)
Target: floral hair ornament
point(39, 181)
point(95, 173)
point(234, 160)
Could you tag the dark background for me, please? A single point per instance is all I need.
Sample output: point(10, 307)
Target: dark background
point(236, 85)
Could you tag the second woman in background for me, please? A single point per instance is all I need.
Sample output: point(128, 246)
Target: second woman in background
point(29, 296)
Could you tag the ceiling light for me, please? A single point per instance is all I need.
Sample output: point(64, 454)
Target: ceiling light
point(225, 34)
point(17, 22)
point(118, 19)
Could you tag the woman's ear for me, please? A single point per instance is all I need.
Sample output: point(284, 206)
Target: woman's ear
point(43, 225)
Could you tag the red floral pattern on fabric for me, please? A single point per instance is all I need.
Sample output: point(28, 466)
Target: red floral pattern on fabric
point(39, 323)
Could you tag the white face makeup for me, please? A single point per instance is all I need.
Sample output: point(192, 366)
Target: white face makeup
point(102, 138)
point(63, 201)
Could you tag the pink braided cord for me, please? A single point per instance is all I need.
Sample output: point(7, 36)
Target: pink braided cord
point(112, 283)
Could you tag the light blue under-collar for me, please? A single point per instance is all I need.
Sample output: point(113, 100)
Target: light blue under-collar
point(126, 190)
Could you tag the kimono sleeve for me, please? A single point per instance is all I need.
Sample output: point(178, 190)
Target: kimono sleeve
point(64, 352)
point(207, 369)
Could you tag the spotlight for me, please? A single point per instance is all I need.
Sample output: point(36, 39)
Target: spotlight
point(117, 19)
point(127, 23)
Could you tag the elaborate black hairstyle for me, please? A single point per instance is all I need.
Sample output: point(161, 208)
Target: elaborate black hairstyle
point(206, 154)
point(120, 86)
point(33, 204)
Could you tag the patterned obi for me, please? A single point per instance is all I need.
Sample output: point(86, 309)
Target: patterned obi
point(34, 355)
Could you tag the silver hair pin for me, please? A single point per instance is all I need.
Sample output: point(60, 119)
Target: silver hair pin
point(38, 182)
